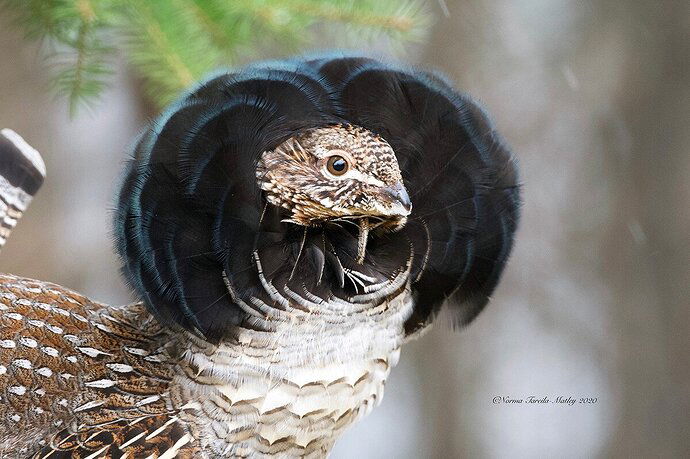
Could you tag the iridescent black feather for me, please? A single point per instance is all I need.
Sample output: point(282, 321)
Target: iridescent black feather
point(190, 209)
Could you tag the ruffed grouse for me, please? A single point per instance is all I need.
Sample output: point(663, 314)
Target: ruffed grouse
point(287, 227)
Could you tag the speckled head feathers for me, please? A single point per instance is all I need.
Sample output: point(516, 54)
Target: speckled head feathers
point(297, 176)
point(199, 199)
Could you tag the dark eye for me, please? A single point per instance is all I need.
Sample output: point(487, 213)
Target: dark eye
point(337, 165)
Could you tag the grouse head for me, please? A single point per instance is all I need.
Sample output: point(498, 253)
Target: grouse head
point(316, 180)
point(335, 172)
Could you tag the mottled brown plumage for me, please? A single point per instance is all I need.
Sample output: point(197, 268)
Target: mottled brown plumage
point(81, 377)
point(90, 380)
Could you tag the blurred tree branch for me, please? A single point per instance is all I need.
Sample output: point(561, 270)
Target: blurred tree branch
point(173, 43)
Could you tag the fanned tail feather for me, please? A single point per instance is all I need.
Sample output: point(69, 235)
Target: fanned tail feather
point(22, 172)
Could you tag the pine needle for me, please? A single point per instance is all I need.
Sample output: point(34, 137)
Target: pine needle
point(174, 43)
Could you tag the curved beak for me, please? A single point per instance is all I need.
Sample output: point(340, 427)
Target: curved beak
point(399, 198)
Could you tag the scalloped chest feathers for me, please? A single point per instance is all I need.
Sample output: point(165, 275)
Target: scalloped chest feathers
point(80, 375)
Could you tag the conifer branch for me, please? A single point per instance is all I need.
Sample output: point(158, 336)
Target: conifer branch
point(174, 43)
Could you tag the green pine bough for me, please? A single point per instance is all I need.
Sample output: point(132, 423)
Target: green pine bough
point(174, 43)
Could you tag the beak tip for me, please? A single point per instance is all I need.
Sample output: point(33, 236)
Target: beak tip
point(401, 197)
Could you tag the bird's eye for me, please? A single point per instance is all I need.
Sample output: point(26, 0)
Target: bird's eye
point(337, 165)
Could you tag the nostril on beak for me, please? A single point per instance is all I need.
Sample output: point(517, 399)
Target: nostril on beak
point(399, 194)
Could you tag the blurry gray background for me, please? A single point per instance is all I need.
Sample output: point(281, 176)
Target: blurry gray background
point(594, 98)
